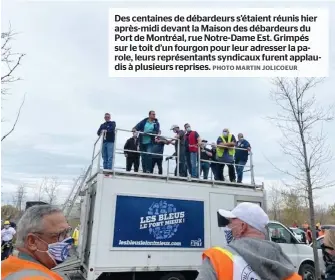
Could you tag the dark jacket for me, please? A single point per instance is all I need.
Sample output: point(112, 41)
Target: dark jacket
point(131, 144)
point(330, 272)
point(242, 155)
point(110, 127)
point(140, 127)
point(203, 155)
point(158, 148)
point(213, 158)
point(329, 262)
point(181, 134)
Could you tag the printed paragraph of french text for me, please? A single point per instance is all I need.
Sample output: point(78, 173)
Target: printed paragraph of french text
point(218, 43)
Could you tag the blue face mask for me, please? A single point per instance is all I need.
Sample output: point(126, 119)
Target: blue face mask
point(228, 234)
point(59, 251)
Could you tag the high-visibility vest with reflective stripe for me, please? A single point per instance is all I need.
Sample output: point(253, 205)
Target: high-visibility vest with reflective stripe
point(231, 266)
point(15, 268)
point(220, 150)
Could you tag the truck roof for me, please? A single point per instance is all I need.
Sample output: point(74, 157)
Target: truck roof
point(188, 181)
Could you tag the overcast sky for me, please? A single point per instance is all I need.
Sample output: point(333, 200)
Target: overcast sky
point(68, 91)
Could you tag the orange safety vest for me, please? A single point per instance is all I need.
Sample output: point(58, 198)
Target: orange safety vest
point(229, 266)
point(15, 268)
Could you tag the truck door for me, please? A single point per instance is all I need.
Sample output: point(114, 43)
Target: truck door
point(281, 235)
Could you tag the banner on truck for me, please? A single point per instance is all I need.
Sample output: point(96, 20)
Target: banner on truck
point(158, 222)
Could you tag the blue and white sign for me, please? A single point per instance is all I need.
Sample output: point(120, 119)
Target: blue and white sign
point(158, 222)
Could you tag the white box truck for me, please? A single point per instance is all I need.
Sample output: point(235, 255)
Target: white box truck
point(137, 226)
point(144, 227)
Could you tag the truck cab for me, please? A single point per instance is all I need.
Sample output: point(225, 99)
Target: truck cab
point(301, 255)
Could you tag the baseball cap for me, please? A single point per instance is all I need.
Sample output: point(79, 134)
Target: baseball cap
point(174, 126)
point(250, 213)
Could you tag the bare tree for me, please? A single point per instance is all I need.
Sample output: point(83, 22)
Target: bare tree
point(293, 206)
point(20, 196)
point(50, 188)
point(332, 210)
point(40, 192)
point(16, 120)
point(8, 211)
point(10, 61)
point(300, 120)
point(276, 201)
point(321, 213)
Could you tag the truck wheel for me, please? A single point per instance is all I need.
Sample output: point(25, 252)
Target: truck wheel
point(173, 276)
point(307, 272)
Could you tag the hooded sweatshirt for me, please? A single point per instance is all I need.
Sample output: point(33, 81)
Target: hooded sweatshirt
point(264, 257)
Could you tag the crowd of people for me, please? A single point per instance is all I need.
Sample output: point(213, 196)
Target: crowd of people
point(43, 241)
point(307, 231)
point(148, 144)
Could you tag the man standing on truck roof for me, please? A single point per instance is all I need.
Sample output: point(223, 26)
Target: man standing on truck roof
point(43, 241)
point(214, 164)
point(205, 154)
point(241, 156)
point(108, 128)
point(158, 150)
point(192, 143)
point(180, 140)
point(248, 255)
point(133, 158)
point(147, 126)
point(225, 152)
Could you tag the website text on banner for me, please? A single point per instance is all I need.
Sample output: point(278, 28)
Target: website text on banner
point(158, 222)
point(218, 43)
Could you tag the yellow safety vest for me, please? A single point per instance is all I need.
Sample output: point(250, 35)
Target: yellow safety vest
point(75, 237)
point(220, 150)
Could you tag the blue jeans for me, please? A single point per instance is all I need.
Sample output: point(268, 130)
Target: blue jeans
point(205, 169)
point(146, 158)
point(107, 154)
point(239, 170)
point(193, 162)
point(188, 163)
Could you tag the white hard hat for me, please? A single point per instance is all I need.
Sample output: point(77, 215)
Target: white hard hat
point(174, 126)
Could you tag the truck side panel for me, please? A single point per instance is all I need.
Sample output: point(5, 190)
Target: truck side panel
point(184, 196)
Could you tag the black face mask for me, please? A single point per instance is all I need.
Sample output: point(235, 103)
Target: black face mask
point(327, 258)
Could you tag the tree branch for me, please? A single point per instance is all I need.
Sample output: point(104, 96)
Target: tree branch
point(16, 120)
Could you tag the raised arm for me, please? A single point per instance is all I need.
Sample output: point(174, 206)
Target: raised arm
point(99, 130)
